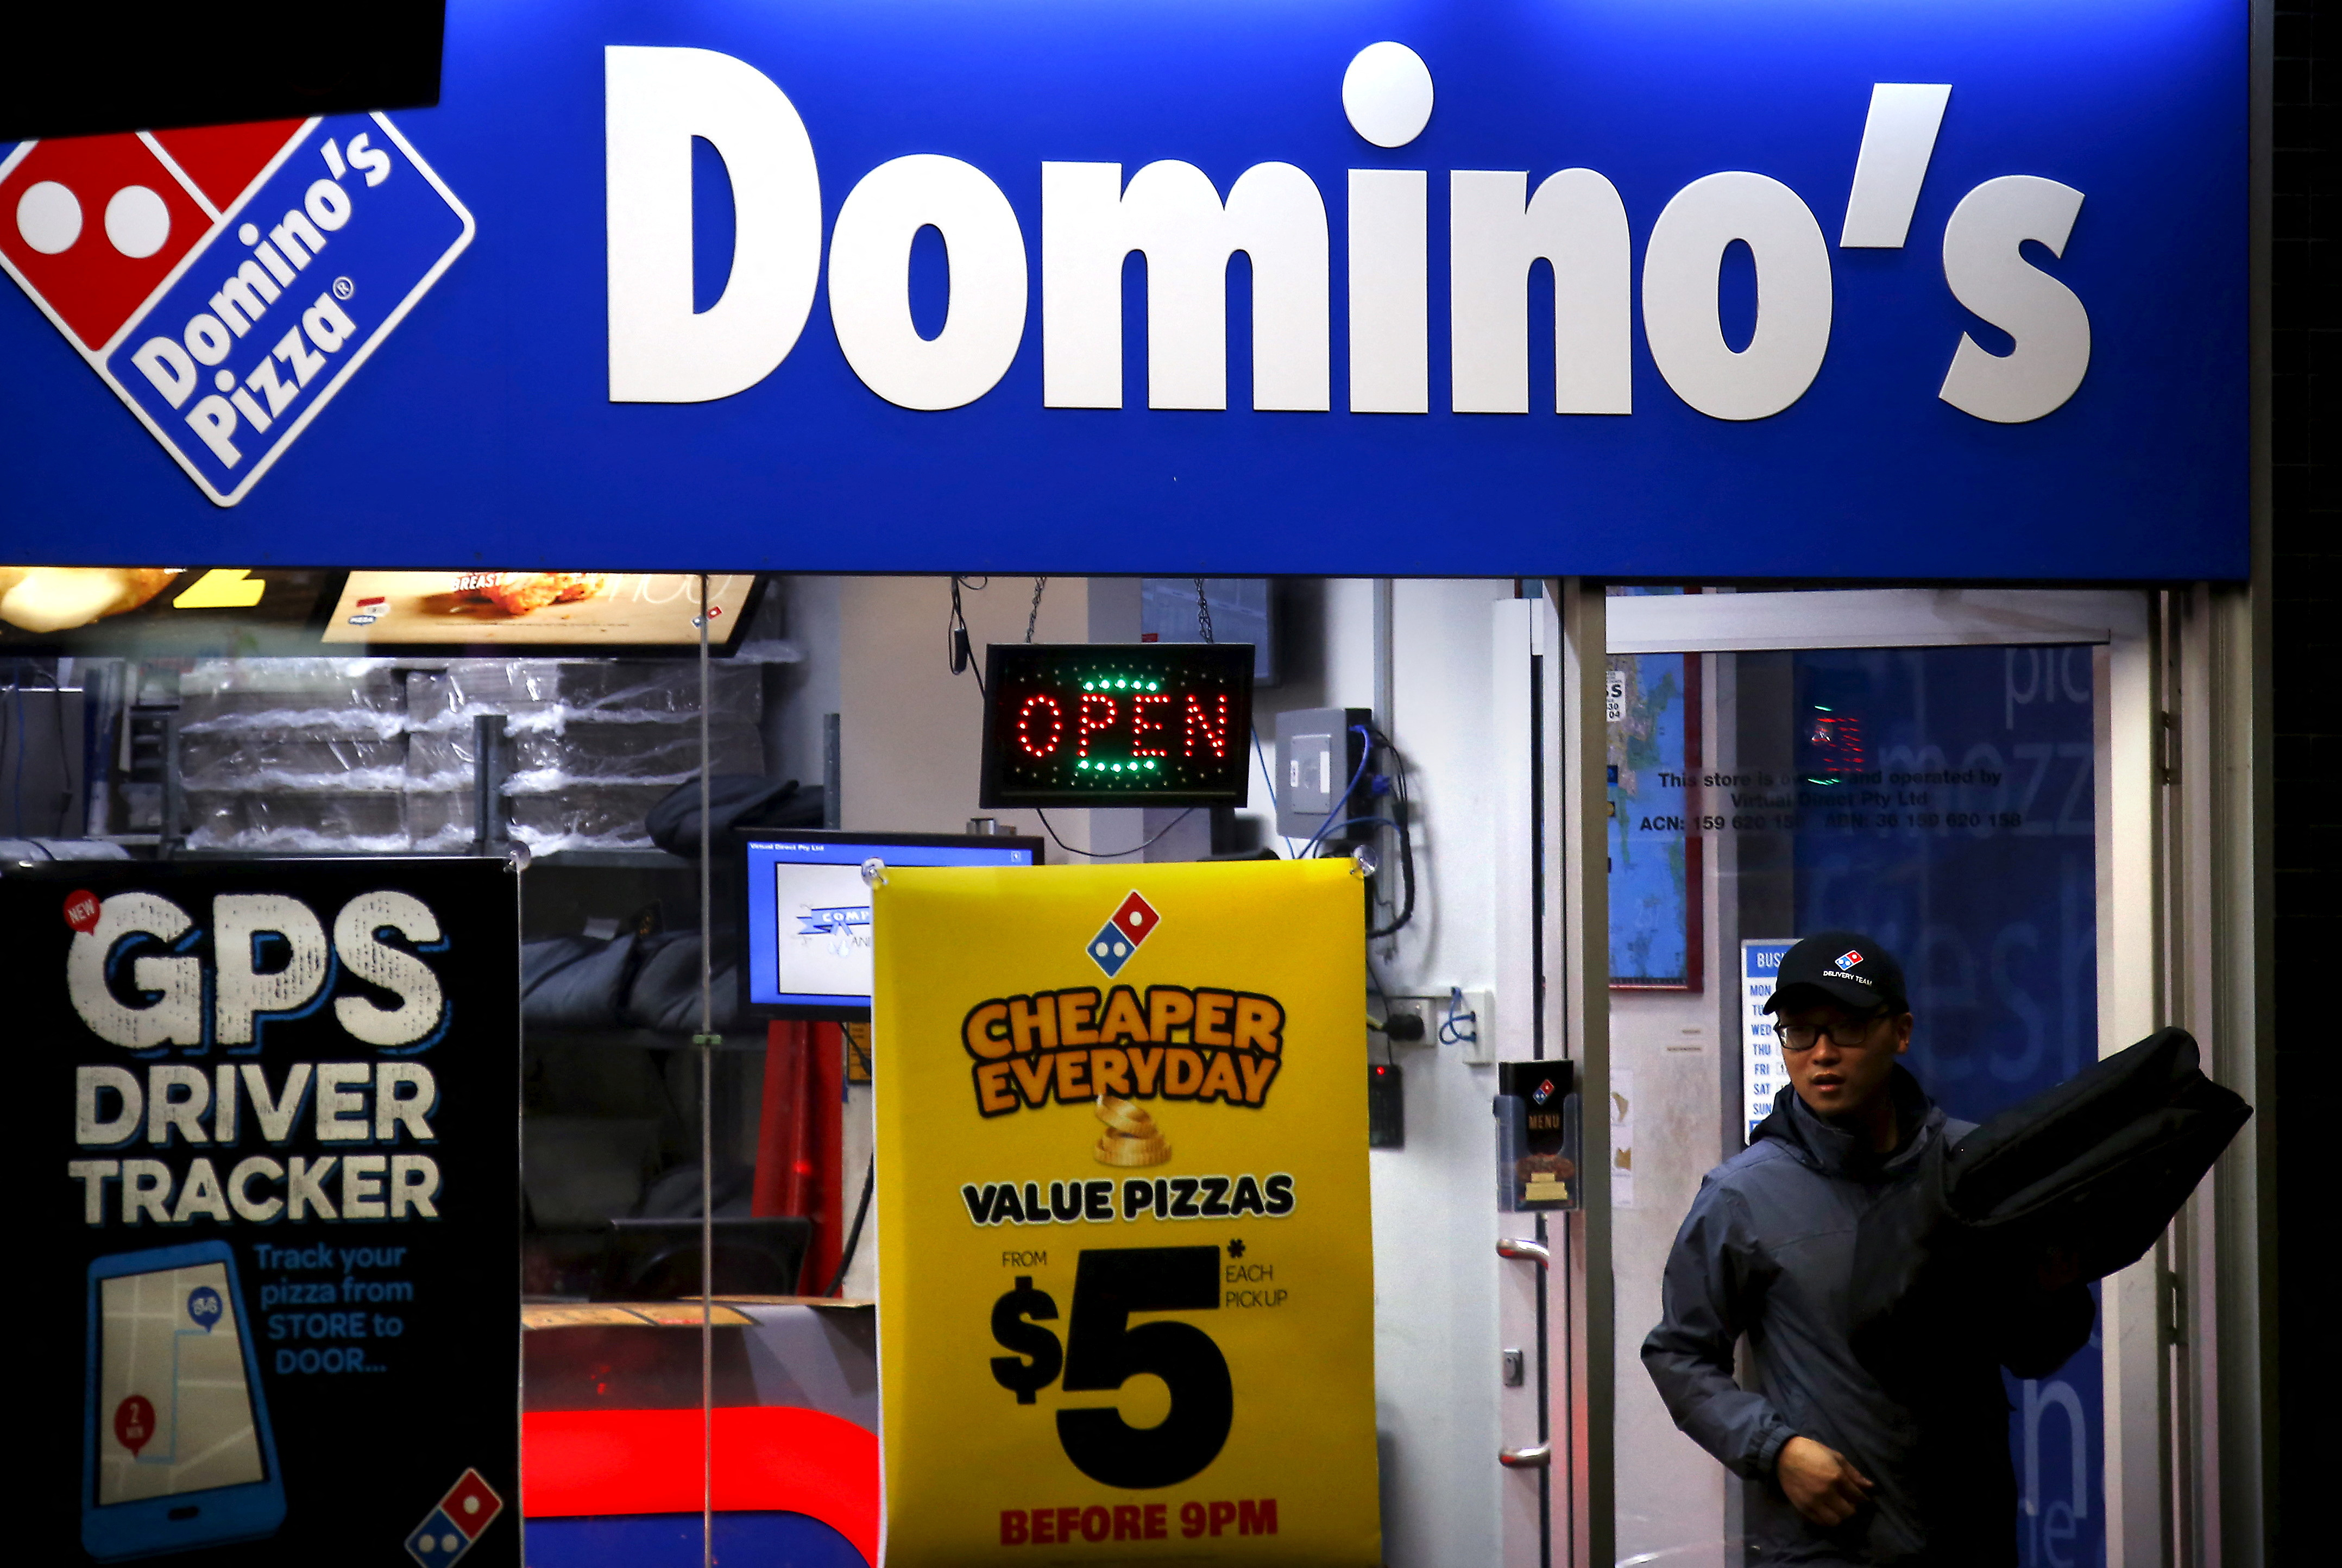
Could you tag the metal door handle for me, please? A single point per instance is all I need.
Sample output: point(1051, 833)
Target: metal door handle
point(1541, 1456)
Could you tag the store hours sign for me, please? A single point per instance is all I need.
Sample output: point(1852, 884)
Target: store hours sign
point(1125, 1249)
point(275, 1171)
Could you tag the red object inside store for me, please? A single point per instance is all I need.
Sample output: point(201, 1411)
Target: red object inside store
point(800, 1137)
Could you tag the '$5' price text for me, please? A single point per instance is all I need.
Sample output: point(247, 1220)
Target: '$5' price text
point(1101, 1351)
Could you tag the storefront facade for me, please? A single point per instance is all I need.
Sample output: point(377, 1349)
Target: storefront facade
point(1757, 470)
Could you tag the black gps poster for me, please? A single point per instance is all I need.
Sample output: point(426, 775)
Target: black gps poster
point(275, 1178)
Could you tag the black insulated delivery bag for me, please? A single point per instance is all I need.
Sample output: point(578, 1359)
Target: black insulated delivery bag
point(2099, 1165)
point(2088, 1173)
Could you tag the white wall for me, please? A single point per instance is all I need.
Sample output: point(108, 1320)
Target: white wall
point(911, 735)
point(1437, 1370)
point(911, 730)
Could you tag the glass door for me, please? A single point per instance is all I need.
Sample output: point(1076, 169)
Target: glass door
point(1936, 771)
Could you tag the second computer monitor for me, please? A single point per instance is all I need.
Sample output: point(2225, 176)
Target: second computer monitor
point(808, 914)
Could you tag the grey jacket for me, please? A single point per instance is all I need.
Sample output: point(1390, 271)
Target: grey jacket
point(1768, 1250)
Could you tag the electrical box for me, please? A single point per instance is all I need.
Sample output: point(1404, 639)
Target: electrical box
point(1317, 754)
point(1386, 1106)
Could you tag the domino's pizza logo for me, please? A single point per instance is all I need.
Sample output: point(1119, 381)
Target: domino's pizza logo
point(1849, 958)
point(1132, 922)
point(448, 1531)
point(227, 281)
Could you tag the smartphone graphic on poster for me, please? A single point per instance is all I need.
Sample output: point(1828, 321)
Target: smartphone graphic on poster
point(176, 1451)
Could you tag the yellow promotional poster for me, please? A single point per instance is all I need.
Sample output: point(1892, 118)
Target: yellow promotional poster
point(1125, 1257)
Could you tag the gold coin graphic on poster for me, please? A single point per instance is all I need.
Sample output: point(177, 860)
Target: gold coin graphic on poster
point(1131, 1137)
point(1124, 1248)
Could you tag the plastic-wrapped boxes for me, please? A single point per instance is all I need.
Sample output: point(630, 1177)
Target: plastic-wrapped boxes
point(592, 747)
point(378, 755)
point(548, 695)
point(293, 755)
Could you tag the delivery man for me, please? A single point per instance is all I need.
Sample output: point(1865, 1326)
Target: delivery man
point(1849, 1472)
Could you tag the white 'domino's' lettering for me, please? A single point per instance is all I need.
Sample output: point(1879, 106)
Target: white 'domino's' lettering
point(1170, 212)
point(278, 257)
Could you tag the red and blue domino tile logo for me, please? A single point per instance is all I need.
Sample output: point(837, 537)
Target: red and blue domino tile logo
point(448, 1531)
point(1132, 922)
point(227, 281)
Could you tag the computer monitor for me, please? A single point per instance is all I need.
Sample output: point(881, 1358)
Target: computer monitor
point(808, 916)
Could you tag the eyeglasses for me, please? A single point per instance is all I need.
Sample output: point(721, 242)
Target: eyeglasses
point(1845, 1037)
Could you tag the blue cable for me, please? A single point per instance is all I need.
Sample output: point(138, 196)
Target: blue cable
point(1269, 777)
point(1364, 822)
point(1449, 1035)
point(1366, 751)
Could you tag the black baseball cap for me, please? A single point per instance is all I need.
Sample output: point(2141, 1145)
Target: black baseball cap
point(1846, 967)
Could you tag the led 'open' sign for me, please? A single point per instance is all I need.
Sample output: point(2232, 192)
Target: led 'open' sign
point(1118, 723)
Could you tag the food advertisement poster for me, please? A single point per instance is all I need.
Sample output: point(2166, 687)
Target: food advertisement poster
point(275, 1203)
point(1126, 1298)
point(161, 611)
point(586, 611)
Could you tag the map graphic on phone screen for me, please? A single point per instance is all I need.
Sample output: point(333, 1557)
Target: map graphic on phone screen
point(175, 1414)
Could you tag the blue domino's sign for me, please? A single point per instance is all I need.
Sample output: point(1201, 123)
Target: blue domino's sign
point(1799, 288)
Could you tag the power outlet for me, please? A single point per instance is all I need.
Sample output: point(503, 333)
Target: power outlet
point(1459, 1021)
point(1411, 1020)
